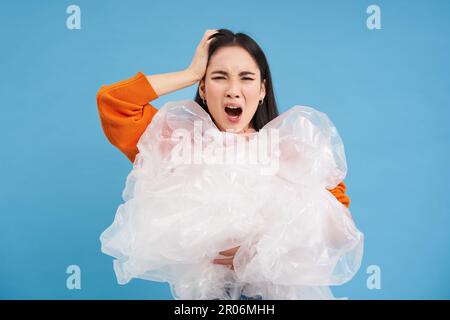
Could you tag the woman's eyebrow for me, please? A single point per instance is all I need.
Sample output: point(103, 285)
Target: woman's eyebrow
point(243, 73)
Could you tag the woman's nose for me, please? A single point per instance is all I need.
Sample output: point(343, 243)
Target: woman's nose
point(233, 91)
point(232, 95)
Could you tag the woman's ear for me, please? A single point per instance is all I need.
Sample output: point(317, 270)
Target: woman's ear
point(201, 89)
point(263, 90)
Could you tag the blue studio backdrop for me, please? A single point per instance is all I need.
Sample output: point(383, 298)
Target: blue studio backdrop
point(386, 89)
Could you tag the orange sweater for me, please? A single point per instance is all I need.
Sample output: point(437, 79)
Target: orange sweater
point(125, 113)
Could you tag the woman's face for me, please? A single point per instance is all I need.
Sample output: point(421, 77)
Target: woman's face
point(232, 89)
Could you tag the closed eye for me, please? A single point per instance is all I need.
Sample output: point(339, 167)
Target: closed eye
point(245, 78)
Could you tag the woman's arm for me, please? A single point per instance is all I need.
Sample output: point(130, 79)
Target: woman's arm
point(169, 82)
point(124, 107)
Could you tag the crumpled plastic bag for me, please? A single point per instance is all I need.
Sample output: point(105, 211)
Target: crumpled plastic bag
point(194, 191)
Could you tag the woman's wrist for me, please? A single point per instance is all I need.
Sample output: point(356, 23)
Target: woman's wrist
point(191, 74)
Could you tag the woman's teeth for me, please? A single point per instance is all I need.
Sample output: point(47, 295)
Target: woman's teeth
point(233, 111)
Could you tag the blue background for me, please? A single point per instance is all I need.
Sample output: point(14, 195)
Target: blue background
point(387, 92)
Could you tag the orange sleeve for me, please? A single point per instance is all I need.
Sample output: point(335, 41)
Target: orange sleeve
point(125, 112)
point(339, 193)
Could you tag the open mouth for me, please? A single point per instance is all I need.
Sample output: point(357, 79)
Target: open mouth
point(233, 111)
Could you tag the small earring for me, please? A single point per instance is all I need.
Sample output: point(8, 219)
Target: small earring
point(204, 102)
point(261, 101)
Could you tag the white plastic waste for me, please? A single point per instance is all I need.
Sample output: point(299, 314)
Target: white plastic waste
point(195, 190)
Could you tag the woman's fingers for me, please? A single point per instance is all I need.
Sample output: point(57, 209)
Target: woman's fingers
point(230, 252)
point(199, 61)
point(223, 261)
point(206, 38)
point(210, 32)
point(227, 262)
